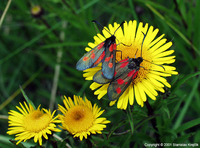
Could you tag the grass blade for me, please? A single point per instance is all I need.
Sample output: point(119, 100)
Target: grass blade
point(186, 106)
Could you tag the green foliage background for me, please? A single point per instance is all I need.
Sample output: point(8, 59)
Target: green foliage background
point(31, 48)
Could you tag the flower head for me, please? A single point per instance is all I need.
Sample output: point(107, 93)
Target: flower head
point(80, 118)
point(30, 123)
point(153, 69)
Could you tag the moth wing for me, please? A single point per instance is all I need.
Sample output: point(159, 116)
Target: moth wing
point(89, 58)
point(121, 67)
point(108, 64)
point(120, 84)
point(100, 59)
point(99, 78)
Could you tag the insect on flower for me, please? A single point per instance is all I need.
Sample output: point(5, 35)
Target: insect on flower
point(105, 52)
point(126, 70)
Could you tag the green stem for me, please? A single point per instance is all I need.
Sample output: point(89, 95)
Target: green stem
point(57, 70)
point(153, 121)
point(4, 12)
point(186, 105)
point(17, 92)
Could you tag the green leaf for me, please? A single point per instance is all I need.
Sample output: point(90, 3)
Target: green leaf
point(188, 125)
point(186, 105)
point(130, 118)
point(183, 138)
point(86, 6)
point(183, 80)
point(18, 50)
point(26, 98)
point(173, 26)
point(133, 9)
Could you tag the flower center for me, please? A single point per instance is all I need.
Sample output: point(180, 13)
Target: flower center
point(134, 51)
point(36, 121)
point(77, 115)
point(78, 118)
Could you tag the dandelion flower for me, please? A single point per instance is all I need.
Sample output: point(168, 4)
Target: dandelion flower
point(151, 77)
point(80, 118)
point(30, 123)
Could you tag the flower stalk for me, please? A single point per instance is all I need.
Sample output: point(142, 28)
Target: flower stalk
point(153, 121)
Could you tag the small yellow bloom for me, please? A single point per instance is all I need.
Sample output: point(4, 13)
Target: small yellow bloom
point(150, 77)
point(30, 123)
point(80, 118)
point(37, 11)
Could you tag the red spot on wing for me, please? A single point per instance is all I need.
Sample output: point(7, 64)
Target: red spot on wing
point(110, 65)
point(111, 56)
point(135, 75)
point(111, 48)
point(107, 59)
point(118, 90)
point(131, 73)
point(100, 58)
point(120, 81)
point(122, 61)
point(126, 82)
point(85, 58)
point(115, 73)
point(92, 55)
point(114, 46)
point(123, 64)
point(100, 45)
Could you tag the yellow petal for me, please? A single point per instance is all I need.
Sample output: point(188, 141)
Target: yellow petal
point(95, 85)
point(156, 40)
point(162, 49)
point(112, 103)
point(141, 90)
point(92, 45)
point(157, 45)
point(150, 86)
point(131, 95)
point(123, 100)
point(151, 34)
point(149, 93)
point(137, 96)
point(166, 53)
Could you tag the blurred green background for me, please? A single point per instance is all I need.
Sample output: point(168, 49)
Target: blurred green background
point(40, 52)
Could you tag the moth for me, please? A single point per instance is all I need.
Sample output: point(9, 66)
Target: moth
point(105, 52)
point(125, 72)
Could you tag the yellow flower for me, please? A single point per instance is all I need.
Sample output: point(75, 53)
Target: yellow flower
point(30, 123)
point(80, 118)
point(150, 77)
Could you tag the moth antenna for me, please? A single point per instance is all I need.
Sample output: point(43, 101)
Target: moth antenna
point(147, 60)
point(124, 44)
point(94, 21)
point(119, 26)
point(136, 53)
point(142, 42)
point(154, 64)
point(172, 39)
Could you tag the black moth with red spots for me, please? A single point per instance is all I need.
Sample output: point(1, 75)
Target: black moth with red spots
point(126, 70)
point(105, 52)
